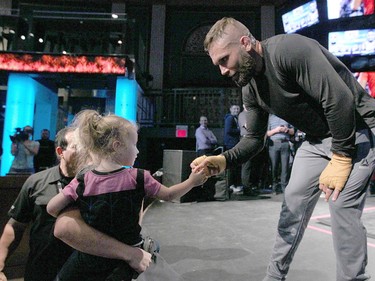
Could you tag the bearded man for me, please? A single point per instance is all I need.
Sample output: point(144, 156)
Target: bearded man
point(297, 79)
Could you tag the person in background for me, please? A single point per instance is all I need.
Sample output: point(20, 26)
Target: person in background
point(279, 134)
point(110, 196)
point(297, 79)
point(23, 148)
point(206, 143)
point(231, 138)
point(367, 81)
point(254, 172)
point(205, 138)
point(46, 156)
point(47, 253)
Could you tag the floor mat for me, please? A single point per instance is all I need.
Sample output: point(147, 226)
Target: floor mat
point(367, 218)
point(160, 271)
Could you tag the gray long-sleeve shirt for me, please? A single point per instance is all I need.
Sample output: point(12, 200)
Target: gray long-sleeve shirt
point(309, 88)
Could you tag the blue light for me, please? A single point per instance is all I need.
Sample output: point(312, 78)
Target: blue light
point(126, 98)
point(19, 112)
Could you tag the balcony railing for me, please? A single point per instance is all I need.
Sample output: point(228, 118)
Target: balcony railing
point(185, 106)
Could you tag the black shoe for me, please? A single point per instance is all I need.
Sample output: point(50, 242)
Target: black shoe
point(230, 192)
point(250, 191)
point(266, 191)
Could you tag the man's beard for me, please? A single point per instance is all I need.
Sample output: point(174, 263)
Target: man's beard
point(245, 71)
point(74, 165)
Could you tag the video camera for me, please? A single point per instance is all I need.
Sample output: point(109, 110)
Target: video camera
point(19, 136)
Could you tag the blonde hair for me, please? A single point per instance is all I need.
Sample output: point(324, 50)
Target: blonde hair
point(219, 29)
point(96, 133)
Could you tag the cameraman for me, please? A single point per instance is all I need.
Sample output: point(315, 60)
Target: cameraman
point(23, 149)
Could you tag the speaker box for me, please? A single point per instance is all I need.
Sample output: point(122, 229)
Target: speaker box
point(176, 169)
point(176, 165)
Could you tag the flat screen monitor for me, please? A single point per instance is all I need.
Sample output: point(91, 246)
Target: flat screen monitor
point(300, 17)
point(359, 42)
point(349, 8)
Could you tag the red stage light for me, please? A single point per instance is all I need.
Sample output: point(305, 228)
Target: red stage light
point(63, 63)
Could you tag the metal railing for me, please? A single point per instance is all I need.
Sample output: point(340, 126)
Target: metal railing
point(185, 106)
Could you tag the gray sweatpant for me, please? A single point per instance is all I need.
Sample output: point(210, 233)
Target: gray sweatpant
point(301, 196)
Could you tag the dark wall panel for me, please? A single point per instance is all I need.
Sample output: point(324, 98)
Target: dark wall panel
point(191, 67)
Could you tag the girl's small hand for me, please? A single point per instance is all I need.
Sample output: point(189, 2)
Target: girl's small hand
point(198, 178)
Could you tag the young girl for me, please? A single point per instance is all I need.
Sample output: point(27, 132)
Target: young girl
point(110, 196)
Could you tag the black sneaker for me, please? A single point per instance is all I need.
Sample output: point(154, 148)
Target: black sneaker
point(250, 191)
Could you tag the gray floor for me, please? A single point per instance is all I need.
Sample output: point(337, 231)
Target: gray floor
point(232, 240)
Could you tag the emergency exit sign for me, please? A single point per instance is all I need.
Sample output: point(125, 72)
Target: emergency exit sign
point(181, 131)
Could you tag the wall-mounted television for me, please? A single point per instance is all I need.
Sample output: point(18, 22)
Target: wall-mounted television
point(349, 8)
point(300, 17)
point(359, 42)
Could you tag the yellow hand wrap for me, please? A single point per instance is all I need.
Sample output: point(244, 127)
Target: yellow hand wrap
point(218, 163)
point(336, 173)
point(198, 160)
